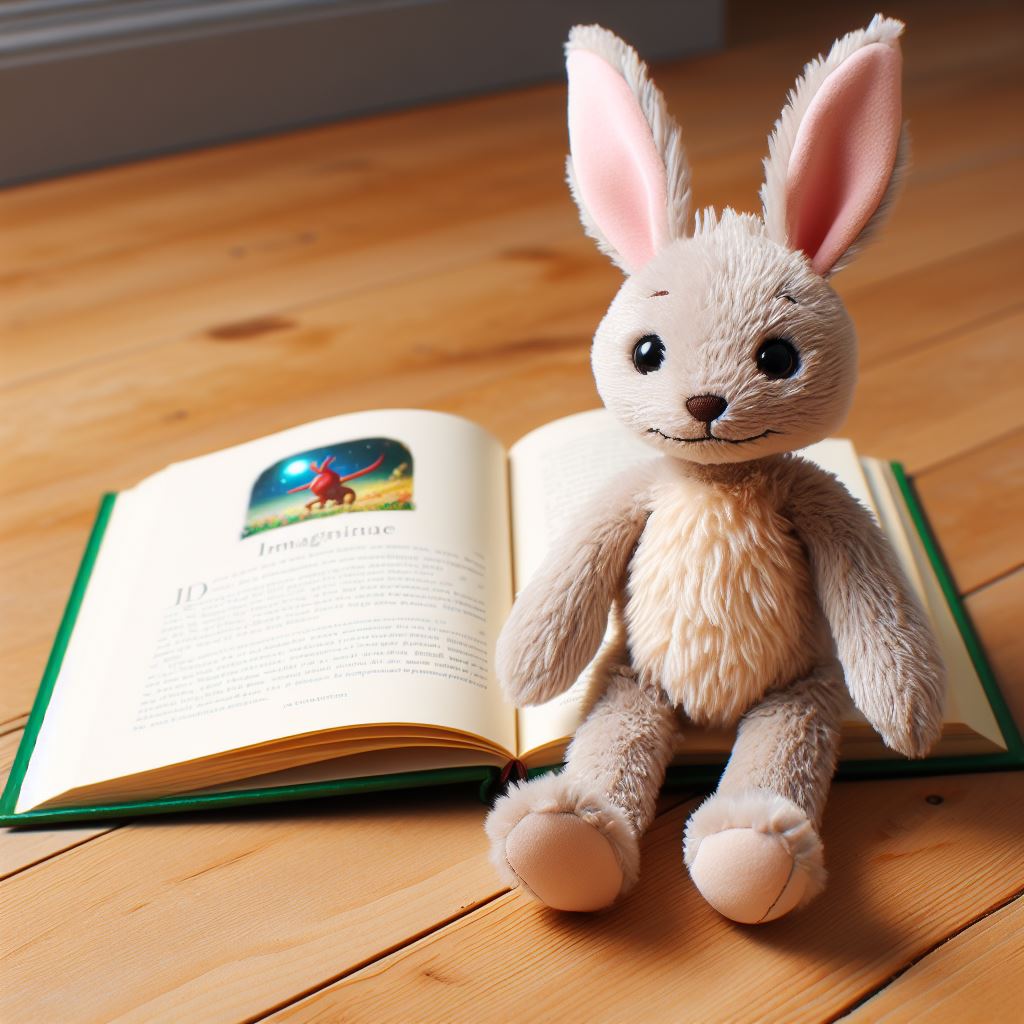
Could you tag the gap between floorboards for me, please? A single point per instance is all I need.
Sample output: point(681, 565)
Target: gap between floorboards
point(926, 953)
point(669, 802)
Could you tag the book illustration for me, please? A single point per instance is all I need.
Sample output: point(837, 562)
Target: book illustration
point(328, 486)
point(319, 482)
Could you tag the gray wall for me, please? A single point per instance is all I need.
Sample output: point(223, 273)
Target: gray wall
point(87, 82)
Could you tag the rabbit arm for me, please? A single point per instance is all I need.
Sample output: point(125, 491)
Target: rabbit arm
point(888, 652)
point(559, 618)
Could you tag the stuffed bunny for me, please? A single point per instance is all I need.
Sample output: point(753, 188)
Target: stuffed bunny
point(746, 586)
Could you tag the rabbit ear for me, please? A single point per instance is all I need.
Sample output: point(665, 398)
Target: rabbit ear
point(627, 172)
point(837, 152)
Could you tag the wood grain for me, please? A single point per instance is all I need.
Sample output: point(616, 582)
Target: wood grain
point(936, 299)
point(997, 612)
point(15, 724)
point(21, 848)
point(217, 919)
point(248, 231)
point(904, 873)
point(969, 402)
point(975, 503)
point(974, 978)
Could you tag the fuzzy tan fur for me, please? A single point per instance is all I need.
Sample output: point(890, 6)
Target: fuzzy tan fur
point(561, 615)
point(614, 769)
point(747, 586)
point(717, 639)
point(726, 288)
point(788, 743)
point(625, 745)
point(889, 656)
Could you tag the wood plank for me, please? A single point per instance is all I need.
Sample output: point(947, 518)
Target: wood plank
point(975, 506)
point(222, 187)
point(9, 725)
point(974, 978)
point(254, 230)
point(314, 829)
point(194, 284)
point(905, 872)
point(915, 234)
point(935, 299)
point(21, 848)
point(218, 917)
point(38, 570)
point(996, 611)
point(190, 284)
point(944, 399)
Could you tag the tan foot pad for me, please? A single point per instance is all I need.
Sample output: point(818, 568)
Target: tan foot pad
point(567, 863)
point(748, 876)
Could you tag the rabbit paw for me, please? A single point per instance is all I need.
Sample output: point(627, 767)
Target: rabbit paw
point(754, 856)
point(569, 848)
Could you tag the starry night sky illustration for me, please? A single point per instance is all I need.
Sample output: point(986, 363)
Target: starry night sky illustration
point(349, 456)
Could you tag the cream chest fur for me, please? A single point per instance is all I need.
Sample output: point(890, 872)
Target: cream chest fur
point(719, 603)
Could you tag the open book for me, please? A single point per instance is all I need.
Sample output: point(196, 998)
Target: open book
point(316, 611)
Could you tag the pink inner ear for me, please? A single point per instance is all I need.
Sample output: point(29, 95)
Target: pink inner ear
point(844, 154)
point(619, 174)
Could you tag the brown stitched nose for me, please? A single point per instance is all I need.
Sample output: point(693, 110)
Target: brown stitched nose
point(706, 407)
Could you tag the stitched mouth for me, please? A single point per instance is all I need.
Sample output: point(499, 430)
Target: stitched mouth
point(709, 437)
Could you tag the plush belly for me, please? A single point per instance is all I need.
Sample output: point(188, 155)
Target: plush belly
point(719, 605)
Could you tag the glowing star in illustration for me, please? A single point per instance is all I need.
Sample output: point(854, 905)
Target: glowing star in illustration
point(328, 486)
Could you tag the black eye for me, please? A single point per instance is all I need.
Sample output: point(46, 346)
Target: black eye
point(648, 353)
point(777, 358)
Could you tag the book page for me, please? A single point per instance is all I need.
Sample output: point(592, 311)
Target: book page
point(555, 471)
point(224, 611)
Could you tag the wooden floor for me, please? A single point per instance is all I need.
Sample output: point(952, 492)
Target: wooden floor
point(432, 258)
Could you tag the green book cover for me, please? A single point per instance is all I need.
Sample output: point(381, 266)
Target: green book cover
point(486, 779)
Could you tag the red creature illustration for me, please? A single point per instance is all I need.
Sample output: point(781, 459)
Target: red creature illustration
point(328, 486)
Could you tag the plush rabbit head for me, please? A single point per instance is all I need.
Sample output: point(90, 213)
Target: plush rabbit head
point(726, 342)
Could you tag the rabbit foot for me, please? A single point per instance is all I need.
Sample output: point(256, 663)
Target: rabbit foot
point(754, 856)
point(570, 848)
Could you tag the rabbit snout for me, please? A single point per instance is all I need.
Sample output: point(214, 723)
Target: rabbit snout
point(706, 408)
